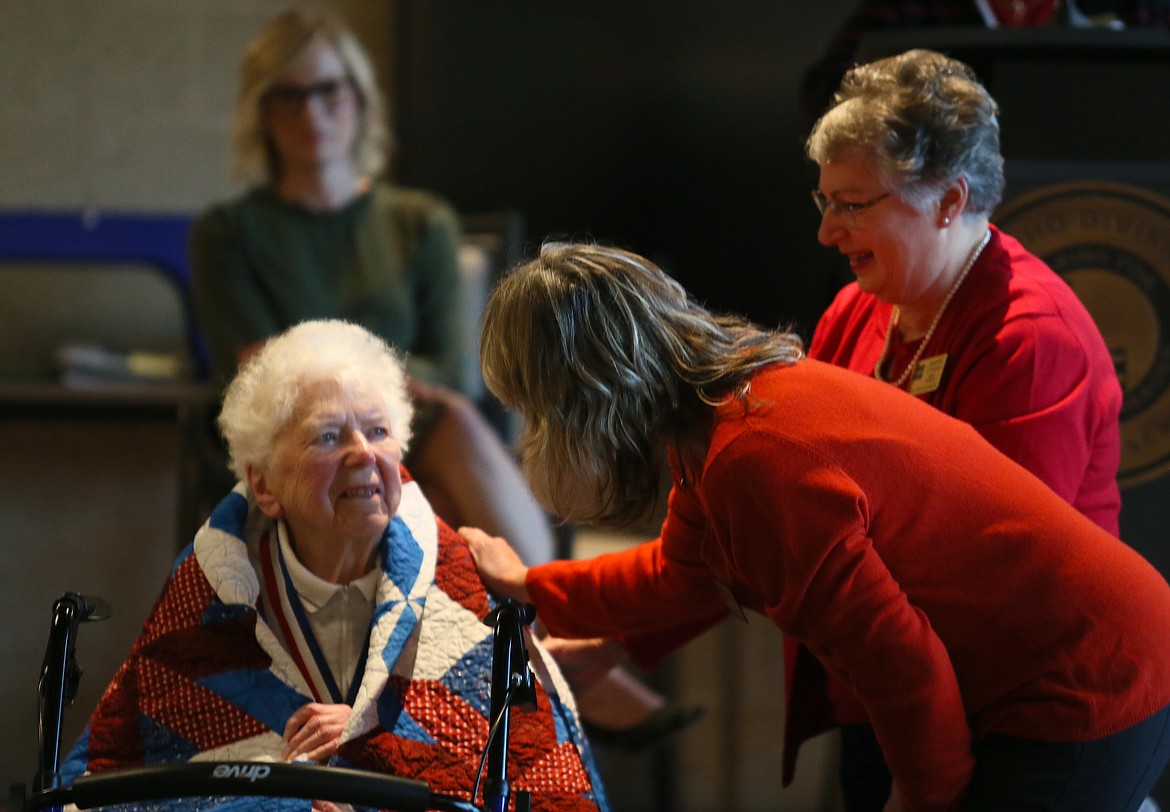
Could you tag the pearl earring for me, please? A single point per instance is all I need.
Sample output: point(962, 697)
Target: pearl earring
point(946, 221)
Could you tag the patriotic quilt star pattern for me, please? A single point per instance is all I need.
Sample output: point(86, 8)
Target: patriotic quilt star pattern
point(212, 677)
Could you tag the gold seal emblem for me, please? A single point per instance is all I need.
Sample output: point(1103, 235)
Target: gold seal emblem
point(1111, 243)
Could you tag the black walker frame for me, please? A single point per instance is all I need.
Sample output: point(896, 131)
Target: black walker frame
point(512, 684)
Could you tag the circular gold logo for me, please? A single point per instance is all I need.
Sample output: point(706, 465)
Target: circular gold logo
point(1111, 243)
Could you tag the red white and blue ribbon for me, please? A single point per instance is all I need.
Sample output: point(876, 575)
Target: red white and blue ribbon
point(281, 606)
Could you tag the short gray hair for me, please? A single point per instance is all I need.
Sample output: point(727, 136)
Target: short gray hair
point(259, 402)
point(926, 121)
point(267, 57)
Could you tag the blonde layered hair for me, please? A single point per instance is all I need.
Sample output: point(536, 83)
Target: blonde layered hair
point(609, 361)
point(266, 59)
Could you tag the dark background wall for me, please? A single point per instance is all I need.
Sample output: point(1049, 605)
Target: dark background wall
point(675, 129)
point(671, 128)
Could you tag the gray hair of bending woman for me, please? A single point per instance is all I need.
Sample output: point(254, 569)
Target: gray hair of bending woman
point(609, 362)
point(259, 403)
point(266, 59)
point(925, 120)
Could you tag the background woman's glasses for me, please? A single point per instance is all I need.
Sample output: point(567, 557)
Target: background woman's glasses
point(289, 99)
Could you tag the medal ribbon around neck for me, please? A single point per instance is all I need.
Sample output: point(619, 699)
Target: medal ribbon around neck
point(895, 313)
point(288, 618)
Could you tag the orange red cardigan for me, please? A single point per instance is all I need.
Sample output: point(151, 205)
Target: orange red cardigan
point(952, 590)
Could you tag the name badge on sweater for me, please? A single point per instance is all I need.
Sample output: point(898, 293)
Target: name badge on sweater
point(928, 374)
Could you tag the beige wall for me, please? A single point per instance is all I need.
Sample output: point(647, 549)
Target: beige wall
point(126, 104)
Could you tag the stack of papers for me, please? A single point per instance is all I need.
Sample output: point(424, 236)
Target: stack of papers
point(88, 366)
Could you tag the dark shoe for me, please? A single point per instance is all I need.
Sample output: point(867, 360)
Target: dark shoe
point(656, 730)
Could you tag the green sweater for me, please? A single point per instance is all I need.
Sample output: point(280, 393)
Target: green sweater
point(388, 261)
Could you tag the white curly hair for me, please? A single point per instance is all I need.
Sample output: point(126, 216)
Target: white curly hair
point(259, 402)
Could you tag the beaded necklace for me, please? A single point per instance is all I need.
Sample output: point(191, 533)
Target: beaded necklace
point(895, 313)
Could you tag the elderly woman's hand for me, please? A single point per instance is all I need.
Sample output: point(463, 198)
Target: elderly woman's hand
point(501, 570)
point(313, 732)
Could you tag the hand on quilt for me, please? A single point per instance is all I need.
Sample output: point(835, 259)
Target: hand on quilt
point(313, 732)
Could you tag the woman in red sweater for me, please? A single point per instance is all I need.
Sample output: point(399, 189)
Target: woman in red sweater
point(862, 522)
point(950, 308)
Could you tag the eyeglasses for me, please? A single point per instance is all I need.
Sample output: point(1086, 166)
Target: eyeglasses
point(289, 99)
point(827, 205)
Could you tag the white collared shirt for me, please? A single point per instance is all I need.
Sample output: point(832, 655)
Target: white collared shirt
point(339, 614)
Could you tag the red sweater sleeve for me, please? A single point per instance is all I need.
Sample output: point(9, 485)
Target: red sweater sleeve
point(654, 587)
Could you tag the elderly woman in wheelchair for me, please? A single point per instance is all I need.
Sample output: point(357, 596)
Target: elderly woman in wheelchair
point(324, 613)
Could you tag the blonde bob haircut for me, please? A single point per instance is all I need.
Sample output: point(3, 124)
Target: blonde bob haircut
point(925, 121)
point(259, 403)
point(610, 363)
point(266, 59)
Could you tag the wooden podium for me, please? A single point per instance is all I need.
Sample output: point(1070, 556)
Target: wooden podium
point(1086, 139)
